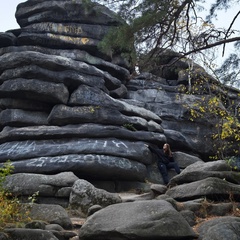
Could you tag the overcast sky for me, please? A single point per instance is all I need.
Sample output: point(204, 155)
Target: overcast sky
point(8, 21)
point(7, 14)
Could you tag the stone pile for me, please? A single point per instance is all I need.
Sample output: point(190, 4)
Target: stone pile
point(194, 205)
point(67, 106)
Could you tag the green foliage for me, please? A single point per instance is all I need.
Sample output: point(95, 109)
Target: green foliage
point(120, 40)
point(6, 170)
point(129, 126)
point(170, 24)
point(11, 210)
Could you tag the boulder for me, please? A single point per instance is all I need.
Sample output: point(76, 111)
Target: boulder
point(53, 214)
point(120, 92)
point(37, 224)
point(25, 233)
point(186, 159)
point(158, 189)
point(212, 188)
point(218, 165)
point(86, 95)
point(30, 12)
point(93, 209)
point(201, 170)
point(189, 216)
point(137, 220)
point(204, 208)
point(192, 176)
point(84, 195)
point(220, 228)
point(46, 185)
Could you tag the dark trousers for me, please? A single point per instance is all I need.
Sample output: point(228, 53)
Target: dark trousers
point(163, 168)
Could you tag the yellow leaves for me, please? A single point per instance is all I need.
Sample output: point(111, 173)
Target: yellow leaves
point(213, 101)
point(226, 132)
point(194, 114)
point(202, 109)
point(230, 129)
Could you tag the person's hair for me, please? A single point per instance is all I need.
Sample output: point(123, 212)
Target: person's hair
point(168, 151)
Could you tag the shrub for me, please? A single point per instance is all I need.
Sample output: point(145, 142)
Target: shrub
point(11, 210)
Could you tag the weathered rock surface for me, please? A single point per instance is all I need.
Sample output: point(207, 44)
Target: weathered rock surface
point(64, 11)
point(142, 215)
point(200, 170)
point(57, 83)
point(53, 214)
point(84, 195)
point(7, 39)
point(74, 122)
point(42, 148)
point(211, 187)
point(220, 228)
point(171, 105)
point(86, 165)
point(186, 159)
point(57, 110)
point(21, 234)
point(35, 89)
point(138, 220)
point(46, 185)
point(76, 54)
point(78, 131)
point(18, 118)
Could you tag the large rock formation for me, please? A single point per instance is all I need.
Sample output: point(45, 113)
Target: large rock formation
point(56, 96)
point(74, 125)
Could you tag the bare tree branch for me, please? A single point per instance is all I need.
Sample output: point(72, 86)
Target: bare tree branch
point(236, 16)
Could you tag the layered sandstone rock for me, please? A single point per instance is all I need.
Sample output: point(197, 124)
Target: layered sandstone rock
point(58, 96)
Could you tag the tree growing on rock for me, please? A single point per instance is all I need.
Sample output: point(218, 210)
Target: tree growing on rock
point(177, 26)
point(170, 24)
point(223, 112)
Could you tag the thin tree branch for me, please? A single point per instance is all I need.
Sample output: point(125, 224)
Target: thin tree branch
point(203, 48)
point(226, 35)
point(224, 41)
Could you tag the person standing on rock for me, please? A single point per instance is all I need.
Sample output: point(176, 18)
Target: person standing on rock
point(165, 160)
